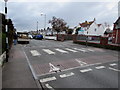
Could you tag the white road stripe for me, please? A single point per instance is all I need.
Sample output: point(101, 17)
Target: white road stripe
point(80, 50)
point(67, 75)
point(60, 50)
point(100, 67)
point(86, 70)
point(113, 64)
point(47, 79)
point(71, 50)
point(48, 86)
point(114, 69)
point(90, 50)
point(81, 62)
point(35, 53)
point(48, 51)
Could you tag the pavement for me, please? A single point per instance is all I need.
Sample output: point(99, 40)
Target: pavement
point(16, 73)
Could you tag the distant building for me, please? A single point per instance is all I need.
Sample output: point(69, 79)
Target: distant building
point(91, 28)
point(116, 32)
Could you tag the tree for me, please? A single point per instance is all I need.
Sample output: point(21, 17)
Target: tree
point(77, 29)
point(58, 24)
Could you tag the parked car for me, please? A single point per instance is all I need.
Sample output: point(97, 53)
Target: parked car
point(30, 36)
point(39, 37)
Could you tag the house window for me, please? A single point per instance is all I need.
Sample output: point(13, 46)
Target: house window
point(95, 29)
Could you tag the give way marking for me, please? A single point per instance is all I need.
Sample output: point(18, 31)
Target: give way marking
point(53, 68)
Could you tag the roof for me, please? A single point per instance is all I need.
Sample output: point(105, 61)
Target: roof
point(86, 23)
point(99, 25)
point(118, 20)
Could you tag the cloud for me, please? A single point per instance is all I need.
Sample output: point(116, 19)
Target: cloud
point(26, 14)
point(61, 0)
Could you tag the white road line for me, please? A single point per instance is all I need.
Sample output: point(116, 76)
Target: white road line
point(47, 79)
point(90, 50)
point(86, 70)
point(82, 66)
point(31, 68)
point(71, 50)
point(60, 50)
point(113, 64)
point(81, 62)
point(87, 49)
point(35, 53)
point(48, 51)
point(100, 67)
point(67, 75)
point(114, 69)
point(53, 68)
point(80, 50)
point(48, 86)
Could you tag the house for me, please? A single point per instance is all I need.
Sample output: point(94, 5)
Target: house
point(92, 28)
point(116, 32)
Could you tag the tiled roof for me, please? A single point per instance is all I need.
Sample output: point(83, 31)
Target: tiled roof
point(99, 25)
point(85, 24)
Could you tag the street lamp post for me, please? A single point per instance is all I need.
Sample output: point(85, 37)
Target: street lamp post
point(87, 39)
point(44, 21)
point(6, 27)
point(37, 25)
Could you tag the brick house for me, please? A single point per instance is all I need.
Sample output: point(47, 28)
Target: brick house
point(116, 32)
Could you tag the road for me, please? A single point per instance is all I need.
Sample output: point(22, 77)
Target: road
point(67, 65)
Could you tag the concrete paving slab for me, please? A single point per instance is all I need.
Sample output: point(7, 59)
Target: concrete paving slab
point(16, 73)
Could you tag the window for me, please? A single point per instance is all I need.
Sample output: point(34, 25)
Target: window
point(95, 29)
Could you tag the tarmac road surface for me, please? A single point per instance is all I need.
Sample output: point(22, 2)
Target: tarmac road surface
point(67, 65)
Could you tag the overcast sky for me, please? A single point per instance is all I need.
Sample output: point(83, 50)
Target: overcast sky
point(26, 14)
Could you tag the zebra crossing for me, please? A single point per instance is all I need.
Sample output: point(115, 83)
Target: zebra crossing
point(35, 53)
point(63, 51)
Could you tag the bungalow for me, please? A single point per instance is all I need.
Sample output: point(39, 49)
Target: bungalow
point(116, 32)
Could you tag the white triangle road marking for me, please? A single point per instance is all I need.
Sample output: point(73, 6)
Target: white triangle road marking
point(53, 68)
point(81, 62)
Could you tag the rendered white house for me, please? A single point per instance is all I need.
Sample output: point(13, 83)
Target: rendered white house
point(91, 28)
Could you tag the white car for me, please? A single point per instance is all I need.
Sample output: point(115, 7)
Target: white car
point(30, 36)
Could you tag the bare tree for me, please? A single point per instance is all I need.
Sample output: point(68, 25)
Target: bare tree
point(58, 24)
